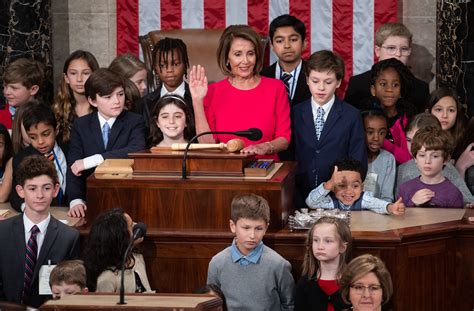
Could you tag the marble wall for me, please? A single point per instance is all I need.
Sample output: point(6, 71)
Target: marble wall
point(25, 31)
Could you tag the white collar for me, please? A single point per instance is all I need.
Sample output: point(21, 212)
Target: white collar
point(180, 90)
point(42, 225)
point(278, 70)
point(327, 106)
point(102, 120)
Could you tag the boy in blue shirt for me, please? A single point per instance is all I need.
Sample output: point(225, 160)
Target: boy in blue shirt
point(40, 125)
point(251, 275)
point(345, 191)
point(325, 128)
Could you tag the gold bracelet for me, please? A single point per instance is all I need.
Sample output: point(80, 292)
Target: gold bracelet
point(272, 149)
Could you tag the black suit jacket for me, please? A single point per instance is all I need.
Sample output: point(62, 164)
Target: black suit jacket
point(60, 243)
point(302, 92)
point(146, 104)
point(15, 200)
point(358, 91)
point(127, 135)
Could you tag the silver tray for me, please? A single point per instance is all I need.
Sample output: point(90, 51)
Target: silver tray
point(304, 219)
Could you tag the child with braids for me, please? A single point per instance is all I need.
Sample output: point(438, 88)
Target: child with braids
point(71, 102)
point(170, 63)
point(390, 85)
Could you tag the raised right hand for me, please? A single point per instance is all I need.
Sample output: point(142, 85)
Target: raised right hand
point(337, 178)
point(198, 82)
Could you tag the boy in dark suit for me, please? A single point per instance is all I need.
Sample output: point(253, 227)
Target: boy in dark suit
point(40, 124)
point(111, 132)
point(35, 238)
point(287, 40)
point(325, 128)
point(391, 40)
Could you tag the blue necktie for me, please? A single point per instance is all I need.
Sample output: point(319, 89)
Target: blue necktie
point(105, 134)
point(319, 121)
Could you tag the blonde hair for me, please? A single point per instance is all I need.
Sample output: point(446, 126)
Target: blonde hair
point(392, 30)
point(361, 266)
point(311, 265)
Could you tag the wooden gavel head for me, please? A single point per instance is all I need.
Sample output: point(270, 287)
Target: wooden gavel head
point(235, 145)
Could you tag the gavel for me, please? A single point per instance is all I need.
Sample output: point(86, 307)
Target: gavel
point(232, 145)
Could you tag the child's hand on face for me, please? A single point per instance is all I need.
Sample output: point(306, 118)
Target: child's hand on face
point(337, 178)
point(77, 167)
point(422, 196)
point(198, 82)
point(397, 208)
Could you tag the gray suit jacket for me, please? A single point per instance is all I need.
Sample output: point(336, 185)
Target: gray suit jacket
point(60, 243)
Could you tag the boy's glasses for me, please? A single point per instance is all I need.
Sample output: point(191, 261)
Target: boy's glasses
point(359, 289)
point(391, 50)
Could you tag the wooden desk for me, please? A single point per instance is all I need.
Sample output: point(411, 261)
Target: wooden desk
point(198, 202)
point(429, 252)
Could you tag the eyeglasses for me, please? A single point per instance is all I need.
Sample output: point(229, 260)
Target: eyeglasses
point(391, 50)
point(360, 289)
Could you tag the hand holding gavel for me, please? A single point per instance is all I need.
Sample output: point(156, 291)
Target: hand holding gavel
point(232, 145)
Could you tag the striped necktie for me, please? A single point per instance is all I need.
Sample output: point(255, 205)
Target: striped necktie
point(30, 259)
point(286, 80)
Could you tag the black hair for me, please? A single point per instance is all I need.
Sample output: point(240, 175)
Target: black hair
point(156, 135)
point(8, 147)
point(106, 245)
point(36, 113)
point(404, 103)
point(286, 20)
point(348, 164)
point(373, 113)
point(164, 48)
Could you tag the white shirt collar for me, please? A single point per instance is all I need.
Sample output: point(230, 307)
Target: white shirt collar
point(327, 106)
point(179, 90)
point(42, 226)
point(102, 121)
point(278, 70)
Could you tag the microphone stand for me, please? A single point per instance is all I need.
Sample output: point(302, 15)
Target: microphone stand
point(183, 174)
point(122, 278)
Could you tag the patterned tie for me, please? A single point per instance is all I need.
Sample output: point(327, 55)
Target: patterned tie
point(105, 133)
point(30, 259)
point(286, 79)
point(319, 121)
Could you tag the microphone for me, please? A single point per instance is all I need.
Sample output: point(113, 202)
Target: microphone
point(138, 231)
point(252, 134)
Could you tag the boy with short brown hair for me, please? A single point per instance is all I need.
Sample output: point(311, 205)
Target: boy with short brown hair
point(251, 275)
point(22, 80)
point(68, 278)
point(325, 128)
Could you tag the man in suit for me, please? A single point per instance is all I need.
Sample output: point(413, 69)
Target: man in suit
point(33, 239)
point(109, 133)
point(392, 40)
point(287, 40)
point(325, 128)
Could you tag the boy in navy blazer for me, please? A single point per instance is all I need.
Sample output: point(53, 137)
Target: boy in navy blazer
point(110, 132)
point(35, 238)
point(325, 128)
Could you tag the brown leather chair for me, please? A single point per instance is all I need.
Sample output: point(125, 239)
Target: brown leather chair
point(201, 44)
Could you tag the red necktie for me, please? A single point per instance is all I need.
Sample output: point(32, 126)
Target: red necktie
point(30, 259)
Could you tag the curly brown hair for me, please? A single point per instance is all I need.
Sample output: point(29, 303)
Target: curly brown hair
point(34, 166)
